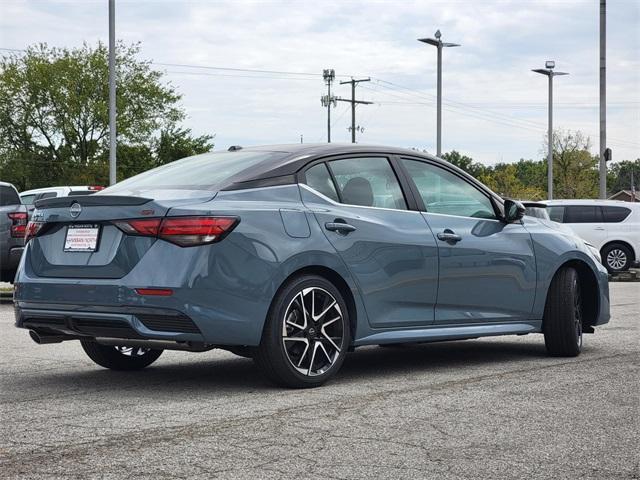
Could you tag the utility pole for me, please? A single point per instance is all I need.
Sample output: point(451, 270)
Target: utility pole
point(603, 98)
point(439, 44)
point(548, 71)
point(327, 100)
point(112, 92)
point(353, 103)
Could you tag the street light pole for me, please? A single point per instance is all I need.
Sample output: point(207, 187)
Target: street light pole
point(112, 92)
point(439, 44)
point(603, 99)
point(548, 71)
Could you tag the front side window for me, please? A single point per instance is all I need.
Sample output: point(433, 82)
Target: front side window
point(445, 193)
point(318, 178)
point(369, 182)
point(582, 214)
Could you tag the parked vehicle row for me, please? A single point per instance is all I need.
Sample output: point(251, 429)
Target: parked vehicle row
point(29, 197)
point(295, 255)
point(13, 225)
point(613, 227)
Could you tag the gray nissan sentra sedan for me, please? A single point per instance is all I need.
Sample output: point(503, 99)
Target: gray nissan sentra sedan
point(296, 254)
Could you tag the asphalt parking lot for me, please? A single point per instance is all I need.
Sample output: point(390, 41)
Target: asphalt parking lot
point(491, 408)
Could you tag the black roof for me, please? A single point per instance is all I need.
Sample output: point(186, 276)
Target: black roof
point(297, 155)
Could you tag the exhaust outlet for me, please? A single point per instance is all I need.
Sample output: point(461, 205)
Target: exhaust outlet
point(43, 339)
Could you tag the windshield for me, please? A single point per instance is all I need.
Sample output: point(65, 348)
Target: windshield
point(27, 199)
point(200, 172)
point(537, 212)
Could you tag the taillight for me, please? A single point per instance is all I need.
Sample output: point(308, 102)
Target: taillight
point(183, 231)
point(18, 224)
point(148, 227)
point(95, 188)
point(33, 228)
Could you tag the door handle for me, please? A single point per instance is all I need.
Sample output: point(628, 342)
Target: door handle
point(339, 227)
point(599, 228)
point(449, 236)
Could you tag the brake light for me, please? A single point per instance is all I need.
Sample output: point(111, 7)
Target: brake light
point(33, 228)
point(146, 226)
point(18, 224)
point(183, 231)
point(95, 188)
point(155, 292)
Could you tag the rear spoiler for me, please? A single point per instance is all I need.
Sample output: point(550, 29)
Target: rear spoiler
point(90, 201)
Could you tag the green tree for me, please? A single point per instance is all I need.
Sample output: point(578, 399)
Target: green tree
point(503, 179)
point(465, 163)
point(575, 173)
point(619, 175)
point(54, 122)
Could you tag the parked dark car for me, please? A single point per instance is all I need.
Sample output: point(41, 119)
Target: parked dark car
point(295, 255)
point(13, 224)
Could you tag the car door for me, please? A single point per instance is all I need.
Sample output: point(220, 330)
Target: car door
point(587, 222)
point(487, 267)
point(388, 249)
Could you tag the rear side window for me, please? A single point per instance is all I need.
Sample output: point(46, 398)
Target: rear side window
point(43, 195)
point(318, 178)
point(8, 196)
point(369, 182)
point(582, 214)
point(615, 214)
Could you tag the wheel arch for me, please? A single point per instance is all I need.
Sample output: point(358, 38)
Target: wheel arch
point(588, 286)
point(338, 281)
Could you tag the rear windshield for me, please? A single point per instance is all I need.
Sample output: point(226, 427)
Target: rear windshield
point(199, 172)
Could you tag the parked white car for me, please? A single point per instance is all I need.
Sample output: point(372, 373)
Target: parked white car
point(613, 227)
point(29, 197)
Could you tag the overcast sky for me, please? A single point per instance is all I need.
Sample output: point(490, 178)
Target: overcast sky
point(495, 107)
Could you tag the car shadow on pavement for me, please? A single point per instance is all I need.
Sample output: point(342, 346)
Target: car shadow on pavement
point(228, 375)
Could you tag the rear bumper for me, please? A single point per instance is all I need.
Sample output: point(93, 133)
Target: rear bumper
point(77, 321)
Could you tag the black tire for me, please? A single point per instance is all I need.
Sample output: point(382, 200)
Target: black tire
point(111, 357)
point(562, 323)
point(242, 351)
point(7, 275)
point(287, 366)
point(616, 257)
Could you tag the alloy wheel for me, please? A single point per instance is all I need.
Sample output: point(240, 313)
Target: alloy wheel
point(577, 315)
point(313, 331)
point(616, 259)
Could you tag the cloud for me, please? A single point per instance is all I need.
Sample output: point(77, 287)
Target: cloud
point(495, 106)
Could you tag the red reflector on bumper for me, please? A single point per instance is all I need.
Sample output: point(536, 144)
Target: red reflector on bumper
point(158, 292)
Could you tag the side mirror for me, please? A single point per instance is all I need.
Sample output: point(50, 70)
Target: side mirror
point(513, 210)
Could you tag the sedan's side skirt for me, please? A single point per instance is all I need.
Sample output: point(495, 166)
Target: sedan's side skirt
point(454, 332)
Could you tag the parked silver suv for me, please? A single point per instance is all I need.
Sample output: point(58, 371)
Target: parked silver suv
point(13, 225)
